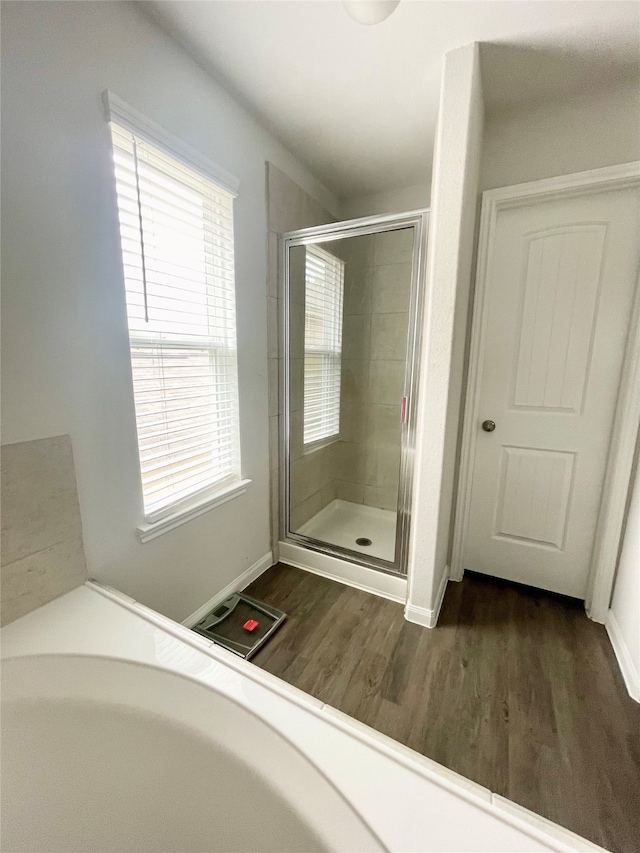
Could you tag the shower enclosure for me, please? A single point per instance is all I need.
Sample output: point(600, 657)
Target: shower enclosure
point(353, 298)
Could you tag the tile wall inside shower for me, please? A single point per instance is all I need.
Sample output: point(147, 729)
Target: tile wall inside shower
point(374, 342)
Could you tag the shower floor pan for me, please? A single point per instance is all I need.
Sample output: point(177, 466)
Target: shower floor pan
point(342, 523)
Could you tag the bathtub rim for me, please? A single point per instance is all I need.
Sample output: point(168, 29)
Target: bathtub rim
point(537, 828)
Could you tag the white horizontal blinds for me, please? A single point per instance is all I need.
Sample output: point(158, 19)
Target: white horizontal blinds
point(324, 288)
point(176, 231)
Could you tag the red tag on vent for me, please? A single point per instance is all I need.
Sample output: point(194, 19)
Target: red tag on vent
point(250, 625)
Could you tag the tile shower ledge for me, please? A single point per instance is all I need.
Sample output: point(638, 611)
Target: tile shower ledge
point(420, 806)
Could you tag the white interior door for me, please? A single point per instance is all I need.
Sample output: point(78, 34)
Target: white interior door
point(559, 291)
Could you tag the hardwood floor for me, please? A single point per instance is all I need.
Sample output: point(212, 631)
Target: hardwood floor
point(515, 689)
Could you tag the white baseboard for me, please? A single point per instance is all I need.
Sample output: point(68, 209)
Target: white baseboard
point(626, 663)
point(392, 587)
point(240, 582)
point(423, 615)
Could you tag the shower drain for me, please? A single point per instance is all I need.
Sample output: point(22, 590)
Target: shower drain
point(363, 541)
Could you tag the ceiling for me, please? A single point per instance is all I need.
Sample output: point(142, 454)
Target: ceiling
point(358, 104)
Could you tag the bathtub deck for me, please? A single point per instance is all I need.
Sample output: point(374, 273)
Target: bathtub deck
point(515, 689)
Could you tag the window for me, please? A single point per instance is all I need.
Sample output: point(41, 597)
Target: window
point(176, 228)
point(324, 287)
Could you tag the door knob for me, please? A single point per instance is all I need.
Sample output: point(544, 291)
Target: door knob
point(488, 426)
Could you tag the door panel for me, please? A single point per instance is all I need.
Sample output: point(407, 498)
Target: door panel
point(534, 496)
point(560, 287)
point(558, 317)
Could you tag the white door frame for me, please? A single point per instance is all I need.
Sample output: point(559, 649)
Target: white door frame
point(627, 415)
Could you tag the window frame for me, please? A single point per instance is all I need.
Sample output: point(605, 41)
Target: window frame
point(193, 504)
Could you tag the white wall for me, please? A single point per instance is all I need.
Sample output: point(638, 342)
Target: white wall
point(623, 622)
point(64, 336)
point(477, 151)
point(598, 128)
point(449, 274)
point(396, 200)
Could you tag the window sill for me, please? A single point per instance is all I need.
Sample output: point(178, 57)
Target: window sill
point(151, 530)
point(320, 444)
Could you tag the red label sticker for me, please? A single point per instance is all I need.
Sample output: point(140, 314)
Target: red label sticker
point(250, 625)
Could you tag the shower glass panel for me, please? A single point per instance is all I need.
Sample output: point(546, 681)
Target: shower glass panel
point(352, 297)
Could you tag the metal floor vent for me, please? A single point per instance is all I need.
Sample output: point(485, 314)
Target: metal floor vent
point(241, 624)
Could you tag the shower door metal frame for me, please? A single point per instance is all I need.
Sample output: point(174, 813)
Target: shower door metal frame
point(419, 220)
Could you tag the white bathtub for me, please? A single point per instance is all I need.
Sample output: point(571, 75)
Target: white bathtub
point(123, 731)
point(110, 755)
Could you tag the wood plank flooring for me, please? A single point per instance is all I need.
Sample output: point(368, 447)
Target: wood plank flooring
point(515, 689)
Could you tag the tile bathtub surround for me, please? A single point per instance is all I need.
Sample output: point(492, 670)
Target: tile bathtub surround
point(42, 549)
point(289, 208)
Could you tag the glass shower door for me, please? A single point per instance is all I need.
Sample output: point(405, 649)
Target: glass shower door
point(352, 300)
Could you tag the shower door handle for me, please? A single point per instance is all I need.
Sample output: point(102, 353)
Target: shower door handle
point(403, 411)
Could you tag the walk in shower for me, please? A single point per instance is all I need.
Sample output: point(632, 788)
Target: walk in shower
point(352, 303)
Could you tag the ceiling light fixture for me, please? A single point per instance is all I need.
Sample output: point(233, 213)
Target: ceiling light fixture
point(369, 11)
